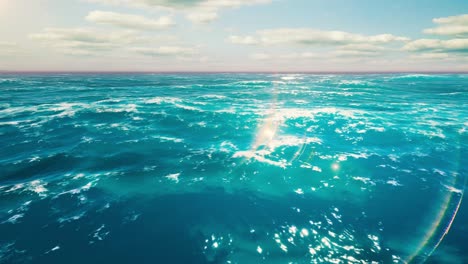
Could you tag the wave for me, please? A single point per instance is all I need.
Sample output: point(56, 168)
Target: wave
point(161, 100)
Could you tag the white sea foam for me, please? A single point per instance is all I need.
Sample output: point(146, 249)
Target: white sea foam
point(99, 234)
point(85, 187)
point(364, 180)
point(189, 108)
point(317, 169)
point(291, 77)
point(14, 219)
point(9, 123)
point(173, 177)
point(127, 108)
point(160, 100)
point(250, 82)
point(52, 249)
point(299, 191)
point(353, 82)
point(171, 139)
point(227, 146)
point(213, 96)
point(283, 114)
point(71, 218)
point(38, 187)
point(440, 172)
point(394, 182)
point(226, 111)
point(290, 141)
point(345, 156)
point(260, 157)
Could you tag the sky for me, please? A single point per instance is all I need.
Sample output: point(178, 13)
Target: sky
point(234, 35)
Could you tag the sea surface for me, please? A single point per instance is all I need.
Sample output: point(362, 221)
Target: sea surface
point(233, 168)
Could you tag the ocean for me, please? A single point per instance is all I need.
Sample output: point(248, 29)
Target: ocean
point(233, 168)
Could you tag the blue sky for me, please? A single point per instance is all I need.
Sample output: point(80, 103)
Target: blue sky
point(234, 35)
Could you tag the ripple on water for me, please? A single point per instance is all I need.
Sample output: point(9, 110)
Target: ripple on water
point(243, 168)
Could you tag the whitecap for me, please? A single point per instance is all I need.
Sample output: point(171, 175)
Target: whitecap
point(38, 187)
point(213, 96)
point(71, 218)
point(171, 139)
point(394, 182)
point(174, 177)
point(364, 180)
point(189, 108)
point(160, 100)
point(53, 249)
point(440, 172)
point(291, 141)
point(99, 234)
point(259, 156)
point(317, 169)
point(126, 108)
point(227, 146)
point(13, 219)
point(299, 191)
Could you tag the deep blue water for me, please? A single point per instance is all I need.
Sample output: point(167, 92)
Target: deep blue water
point(233, 168)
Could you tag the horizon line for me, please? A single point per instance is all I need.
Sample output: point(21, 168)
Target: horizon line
point(227, 72)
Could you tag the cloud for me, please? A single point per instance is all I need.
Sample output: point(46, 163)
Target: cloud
point(455, 48)
point(288, 56)
point(360, 50)
point(460, 19)
point(261, 56)
point(431, 56)
point(166, 51)
point(341, 44)
point(198, 11)
point(450, 26)
point(438, 45)
point(184, 4)
point(81, 41)
point(355, 53)
point(245, 40)
point(87, 41)
point(202, 17)
point(9, 48)
point(307, 36)
point(129, 21)
point(85, 35)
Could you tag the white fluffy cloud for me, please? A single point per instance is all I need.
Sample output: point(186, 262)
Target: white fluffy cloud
point(288, 56)
point(360, 50)
point(87, 41)
point(166, 51)
point(83, 41)
point(199, 11)
point(202, 17)
point(129, 21)
point(450, 26)
point(431, 56)
point(438, 45)
point(245, 40)
point(456, 48)
point(184, 4)
point(307, 36)
point(342, 44)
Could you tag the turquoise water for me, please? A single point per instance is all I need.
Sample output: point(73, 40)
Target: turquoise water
point(232, 168)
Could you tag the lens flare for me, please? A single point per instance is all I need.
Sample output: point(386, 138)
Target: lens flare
point(443, 220)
